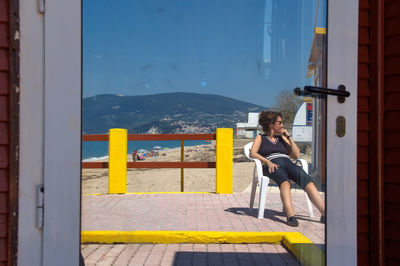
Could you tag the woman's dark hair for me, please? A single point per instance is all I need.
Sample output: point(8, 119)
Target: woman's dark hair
point(267, 117)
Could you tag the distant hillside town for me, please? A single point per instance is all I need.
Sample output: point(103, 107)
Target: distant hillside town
point(164, 113)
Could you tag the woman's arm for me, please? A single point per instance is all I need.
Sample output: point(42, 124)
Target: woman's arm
point(254, 154)
point(294, 151)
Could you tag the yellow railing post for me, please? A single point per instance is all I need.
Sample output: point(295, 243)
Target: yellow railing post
point(117, 152)
point(224, 158)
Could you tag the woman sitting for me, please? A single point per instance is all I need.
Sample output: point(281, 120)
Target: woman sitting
point(274, 149)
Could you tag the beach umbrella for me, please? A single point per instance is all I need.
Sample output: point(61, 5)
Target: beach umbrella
point(142, 150)
point(157, 148)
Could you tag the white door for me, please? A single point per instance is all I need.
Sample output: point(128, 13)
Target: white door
point(62, 132)
point(62, 35)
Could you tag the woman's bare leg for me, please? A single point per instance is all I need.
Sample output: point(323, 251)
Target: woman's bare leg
point(315, 198)
point(286, 198)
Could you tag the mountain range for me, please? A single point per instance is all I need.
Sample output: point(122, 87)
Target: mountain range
point(178, 112)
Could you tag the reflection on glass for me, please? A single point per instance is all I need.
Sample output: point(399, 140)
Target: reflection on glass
point(188, 66)
point(236, 49)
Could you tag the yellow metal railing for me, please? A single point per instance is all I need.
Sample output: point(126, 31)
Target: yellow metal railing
point(118, 142)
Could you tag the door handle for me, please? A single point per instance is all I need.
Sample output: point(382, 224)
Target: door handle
point(319, 92)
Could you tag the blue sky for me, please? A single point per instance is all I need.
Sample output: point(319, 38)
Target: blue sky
point(244, 49)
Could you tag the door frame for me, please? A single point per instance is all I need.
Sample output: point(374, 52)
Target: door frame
point(62, 131)
point(56, 35)
point(341, 165)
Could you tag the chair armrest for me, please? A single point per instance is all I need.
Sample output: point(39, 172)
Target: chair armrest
point(304, 164)
point(259, 169)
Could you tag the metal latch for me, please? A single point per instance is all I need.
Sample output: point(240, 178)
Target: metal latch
point(319, 92)
point(39, 205)
point(340, 126)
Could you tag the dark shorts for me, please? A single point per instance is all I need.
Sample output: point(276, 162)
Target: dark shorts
point(288, 171)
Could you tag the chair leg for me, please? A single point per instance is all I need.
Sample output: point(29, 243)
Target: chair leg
point(310, 208)
point(253, 189)
point(263, 196)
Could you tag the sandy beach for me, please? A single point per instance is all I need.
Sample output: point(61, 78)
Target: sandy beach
point(168, 180)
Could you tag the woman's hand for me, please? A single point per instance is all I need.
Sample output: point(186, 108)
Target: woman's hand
point(284, 132)
point(272, 167)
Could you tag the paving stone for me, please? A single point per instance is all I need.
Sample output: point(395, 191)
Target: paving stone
point(172, 254)
point(203, 212)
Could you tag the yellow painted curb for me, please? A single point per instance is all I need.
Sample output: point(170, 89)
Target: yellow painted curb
point(303, 249)
point(300, 246)
point(140, 193)
point(169, 237)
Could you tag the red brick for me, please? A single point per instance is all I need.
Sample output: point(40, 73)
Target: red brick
point(362, 206)
point(3, 249)
point(4, 108)
point(363, 87)
point(362, 154)
point(4, 16)
point(362, 189)
point(3, 225)
point(363, 35)
point(364, 4)
point(363, 121)
point(363, 70)
point(363, 53)
point(3, 133)
point(392, 64)
point(391, 139)
point(4, 83)
point(4, 35)
point(392, 83)
point(3, 157)
point(391, 46)
point(392, 247)
point(362, 242)
point(3, 203)
point(362, 171)
point(362, 138)
point(363, 104)
point(392, 8)
point(391, 192)
point(392, 26)
point(3, 180)
point(391, 121)
point(363, 224)
point(391, 155)
point(391, 173)
point(363, 258)
point(363, 18)
point(4, 59)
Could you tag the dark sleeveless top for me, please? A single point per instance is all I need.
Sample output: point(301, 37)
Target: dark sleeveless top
point(272, 150)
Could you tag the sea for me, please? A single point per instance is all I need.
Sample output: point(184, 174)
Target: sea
point(96, 150)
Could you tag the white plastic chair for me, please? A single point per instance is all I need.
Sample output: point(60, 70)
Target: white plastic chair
point(263, 181)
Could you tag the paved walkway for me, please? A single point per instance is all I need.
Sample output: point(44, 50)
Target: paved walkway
point(188, 254)
point(193, 212)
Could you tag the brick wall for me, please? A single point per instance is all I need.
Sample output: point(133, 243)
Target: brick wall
point(379, 133)
point(363, 134)
point(391, 131)
point(4, 128)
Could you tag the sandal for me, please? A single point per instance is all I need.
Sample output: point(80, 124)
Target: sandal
point(292, 221)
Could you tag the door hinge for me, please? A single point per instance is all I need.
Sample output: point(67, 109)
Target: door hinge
point(39, 205)
point(41, 6)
